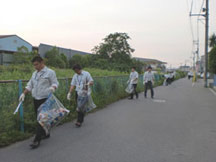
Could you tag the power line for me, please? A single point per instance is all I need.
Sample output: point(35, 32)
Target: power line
point(201, 7)
point(191, 24)
point(206, 15)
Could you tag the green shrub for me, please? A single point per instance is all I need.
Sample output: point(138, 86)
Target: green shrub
point(212, 60)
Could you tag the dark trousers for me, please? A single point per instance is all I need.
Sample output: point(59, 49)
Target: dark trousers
point(149, 85)
point(134, 91)
point(80, 115)
point(40, 131)
point(169, 81)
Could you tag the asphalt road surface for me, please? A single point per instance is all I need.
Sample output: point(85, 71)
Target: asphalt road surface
point(179, 125)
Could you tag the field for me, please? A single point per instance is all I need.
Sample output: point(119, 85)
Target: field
point(109, 86)
point(24, 72)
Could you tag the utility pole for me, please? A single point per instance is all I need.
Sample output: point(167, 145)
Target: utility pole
point(206, 42)
point(206, 15)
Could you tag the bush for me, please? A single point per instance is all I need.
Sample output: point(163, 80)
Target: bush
point(55, 59)
point(23, 56)
point(212, 60)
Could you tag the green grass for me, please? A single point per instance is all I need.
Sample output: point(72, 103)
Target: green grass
point(24, 72)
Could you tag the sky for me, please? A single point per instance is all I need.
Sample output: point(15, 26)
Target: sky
point(159, 29)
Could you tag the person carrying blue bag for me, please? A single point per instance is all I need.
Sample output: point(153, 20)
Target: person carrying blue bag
point(42, 83)
point(82, 80)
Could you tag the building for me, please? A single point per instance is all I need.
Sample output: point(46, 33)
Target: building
point(9, 44)
point(43, 48)
point(185, 68)
point(155, 64)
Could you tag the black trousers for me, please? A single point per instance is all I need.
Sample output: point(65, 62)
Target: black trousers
point(134, 91)
point(149, 85)
point(40, 131)
point(169, 81)
point(80, 115)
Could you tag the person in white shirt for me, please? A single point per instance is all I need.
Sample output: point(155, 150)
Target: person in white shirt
point(82, 80)
point(42, 83)
point(148, 81)
point(134, 76)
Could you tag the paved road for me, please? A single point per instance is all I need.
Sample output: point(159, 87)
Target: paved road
point(179, 126)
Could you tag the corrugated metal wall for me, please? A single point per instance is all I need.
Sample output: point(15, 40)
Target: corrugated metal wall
point(8, 46)
point(43, 48)
point(12, 43)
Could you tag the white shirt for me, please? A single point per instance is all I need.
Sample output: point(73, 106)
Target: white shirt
point(134, 77)
point(148, 76)
point(166, 76)
point(81, 81)
point(40, 83)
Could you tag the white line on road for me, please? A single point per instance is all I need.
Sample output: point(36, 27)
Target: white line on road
point(160, 101)
point(212, 91)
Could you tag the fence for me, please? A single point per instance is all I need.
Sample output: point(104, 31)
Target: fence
point(105, 91)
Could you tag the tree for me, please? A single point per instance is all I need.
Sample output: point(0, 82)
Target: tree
point(212, 40)
point(212, 60)
point(54, 59)
point(114, 44)
point(23, 56)
point(116, 50)
point(140, 66)
point(64, 58)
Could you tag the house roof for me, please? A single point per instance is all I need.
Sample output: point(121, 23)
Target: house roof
point(5, 36)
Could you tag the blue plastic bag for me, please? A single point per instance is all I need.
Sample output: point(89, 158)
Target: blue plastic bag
point(51, 113)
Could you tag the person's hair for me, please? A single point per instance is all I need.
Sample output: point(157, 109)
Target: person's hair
point(37, 59)
point(134, 67)
point(77, 66)
point(149, 67)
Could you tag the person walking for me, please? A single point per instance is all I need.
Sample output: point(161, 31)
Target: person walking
point(82, 80)
point(148, 81)
point(134, 81)
point(42, 83)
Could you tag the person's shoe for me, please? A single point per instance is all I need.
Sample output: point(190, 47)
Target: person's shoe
point(78, 125)
point(130, 98)
point(137, 96)
point(145, 96)
point(35, 145)
point(152, 97)
point(46, 137)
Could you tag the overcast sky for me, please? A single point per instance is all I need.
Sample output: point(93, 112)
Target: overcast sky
point(159, 29)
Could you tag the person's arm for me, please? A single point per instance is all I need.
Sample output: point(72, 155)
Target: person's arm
point(153, 79)
point(28, 89)
point(72, 87)
point(130, 77)
point(54, 82)
point(144, 78)
point(90, 80)
point(137, 77)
